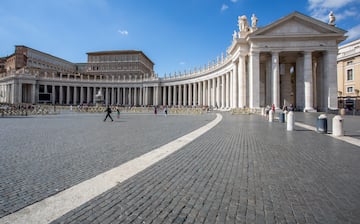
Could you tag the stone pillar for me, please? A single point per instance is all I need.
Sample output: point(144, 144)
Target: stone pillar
point(94, 95)
point(254, 80)
point(61, 95)
point(218, 92)
point(235, 85)
point(135, 96)
point(195, 95)
point(300, 102)
point(169, 96)
point(227, 87)
point(308, 82)
point(130, 96)
point(242, 81)
point(164, 96)
point(81, 94)
point(190, 95)
point(185, 95)
point(268, 81)
point(75, 96)
point(209, 103)
point(330, 79)
point(200, 98)
point(124, 96)
point(275, 80)
point(180, 96)
point(53, 95)
point(223, 91)
point(175, 95)
point(204, 93)
point(107, 102)
point(112, 96)
point(88, 95)
point(141, 96)
point(67, 95)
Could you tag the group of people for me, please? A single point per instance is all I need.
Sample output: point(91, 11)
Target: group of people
point(285, 108)
point(109, 111)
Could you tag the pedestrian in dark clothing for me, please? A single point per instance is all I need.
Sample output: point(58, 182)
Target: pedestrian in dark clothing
point(108, 112)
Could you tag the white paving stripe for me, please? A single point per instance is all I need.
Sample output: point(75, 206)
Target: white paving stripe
point(347, 139)
point(55, 206)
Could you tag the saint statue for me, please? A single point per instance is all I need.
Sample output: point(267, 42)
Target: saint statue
point(254, 21)
point(243, 24)
point(331, 18)
point(234, 35)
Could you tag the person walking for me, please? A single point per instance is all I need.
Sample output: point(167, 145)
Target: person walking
point(118, 112)
point(108, 112)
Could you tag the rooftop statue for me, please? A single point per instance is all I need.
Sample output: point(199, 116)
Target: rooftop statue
point(243, 24)
point(254, 21)
point(332, 18)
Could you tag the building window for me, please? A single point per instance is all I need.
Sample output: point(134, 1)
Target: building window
point(349, 63)
point(350, 89)
point(349, 75)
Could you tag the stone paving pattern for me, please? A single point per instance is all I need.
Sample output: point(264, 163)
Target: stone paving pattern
point(245, 170)
point(43, 155)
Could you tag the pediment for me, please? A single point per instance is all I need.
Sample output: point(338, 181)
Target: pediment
point(297, 24)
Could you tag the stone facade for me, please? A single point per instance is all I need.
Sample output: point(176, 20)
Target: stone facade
point(290, 61)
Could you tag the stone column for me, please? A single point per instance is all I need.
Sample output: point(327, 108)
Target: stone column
point(175, 95)
point(124, 96)
point(88, 95)
point(209, 93)
point(200, 98)
point(130, 96)
point(185, 95)
point(227, 86)
point(135, 97)
point(81, 94)
point(180, 102)
point(195, 95)
point(53, 95)
point(218, 92)
point(190, 95)
point(223, 91)
point(330, 79)
point(235, 85)
point(67, 95)
point(112, 96)
point(141, 96)
point(107, 101)
point(169, 96)
point(61, 95)
point(254, 80)
point(242, 81)
point(75, 96)
point(308, 82)
point(164, 96)
point(268, 81)
point(94, 95)
point(275, 80)
point(204, 93)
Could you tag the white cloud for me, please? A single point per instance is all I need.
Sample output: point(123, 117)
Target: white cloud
point(233, 1)
point(224, 7)
point(320, 9)
point(123, 32)
point(329, 4)
point(353, 33)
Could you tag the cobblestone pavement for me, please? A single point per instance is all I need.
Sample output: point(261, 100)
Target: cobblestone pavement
point(244, 170)
point(43, 155)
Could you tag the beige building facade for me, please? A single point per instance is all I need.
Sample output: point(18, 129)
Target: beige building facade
point(290, 61)
point(348, 69)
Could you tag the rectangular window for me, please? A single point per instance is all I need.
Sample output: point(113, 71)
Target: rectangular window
point(350, 89)
point(349, 75)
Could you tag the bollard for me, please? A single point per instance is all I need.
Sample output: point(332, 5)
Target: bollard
point(271, 116)
point(263, 112)
point(286, 113)
point(338, 123)
point(290, 121)
point(282, 117)
point(321, 124)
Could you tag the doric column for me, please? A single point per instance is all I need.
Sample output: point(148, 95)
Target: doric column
point(200, 98)
point(195, 95)
point(141, 96)
point(330, 81)
point(254, 80)
point(185, 95)
point(61, 95)
point(242, 81)
point(81, 94)
point(130, 96)
point(175, 95)
point(67, 95)
point(53, 95)
point(190, 95)
point(227, 86)
point(180, 96)
point(112, 95)
point(308, 82)
point(94, 95)
point(107, 101)
point(135, 96)
point(88, 95)
point(223, 91)
point(275, 79)
point(268, 80)
point(204, 103)
point(217, 92)
point(164, 96)
point(169, 96)
point(235, 85)
point(209, 93)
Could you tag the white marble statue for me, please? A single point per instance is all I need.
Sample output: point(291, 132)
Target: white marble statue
point(331, 18)
point(243, 24)
point(254, 21)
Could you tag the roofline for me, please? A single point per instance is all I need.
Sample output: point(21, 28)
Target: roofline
point(120, 52)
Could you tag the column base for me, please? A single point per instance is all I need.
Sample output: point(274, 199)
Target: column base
point(310, 110)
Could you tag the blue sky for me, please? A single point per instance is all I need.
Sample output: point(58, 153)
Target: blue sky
point(176, 35)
